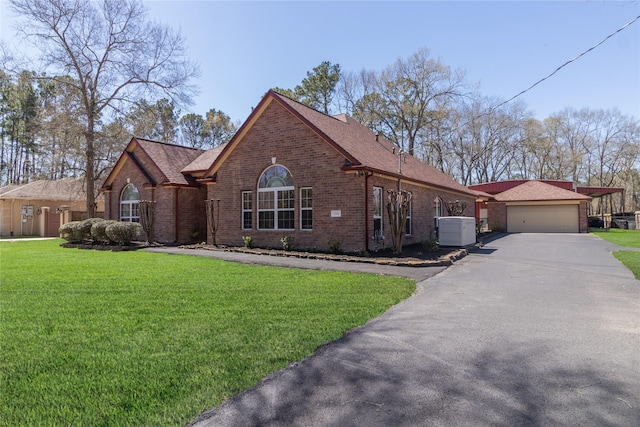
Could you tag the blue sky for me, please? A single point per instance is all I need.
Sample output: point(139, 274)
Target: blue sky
point(245, 48)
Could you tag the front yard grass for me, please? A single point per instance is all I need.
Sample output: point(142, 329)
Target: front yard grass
point(631, 259)
point(137, 338)
point(628, 238)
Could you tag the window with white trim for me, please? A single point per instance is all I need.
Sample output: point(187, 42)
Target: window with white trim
point(130, 204)
point(247, 210)
point(437, 207)
point(408, 226)
point(276, 199)
point(306, 208)
point(378, 234)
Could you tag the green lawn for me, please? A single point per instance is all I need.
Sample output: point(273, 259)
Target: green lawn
point(136, 338)
point(631, 260)
point(628, 238)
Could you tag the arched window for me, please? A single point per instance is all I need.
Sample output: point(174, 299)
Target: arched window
point(130, 204)
point(437, 204)
point(276, 197)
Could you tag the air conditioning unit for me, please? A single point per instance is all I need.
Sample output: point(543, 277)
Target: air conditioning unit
point(456, 230)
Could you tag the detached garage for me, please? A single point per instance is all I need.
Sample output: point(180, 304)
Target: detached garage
point(538, 207)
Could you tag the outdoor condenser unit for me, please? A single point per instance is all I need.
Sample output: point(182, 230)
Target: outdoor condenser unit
point(456, 230)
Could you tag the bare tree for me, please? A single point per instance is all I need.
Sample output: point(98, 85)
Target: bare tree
point(113, 54)
point(407, 97)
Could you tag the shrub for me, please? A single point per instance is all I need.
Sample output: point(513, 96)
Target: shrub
point(287, 243)
point(431, 245)
point(84, 228)
point(98, 231)
point(71, 231)
point(334, 245)
point(248, 241)
point(123, 232)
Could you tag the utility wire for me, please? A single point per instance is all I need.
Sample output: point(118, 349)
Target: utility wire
point(492, 109)
point(567, 63)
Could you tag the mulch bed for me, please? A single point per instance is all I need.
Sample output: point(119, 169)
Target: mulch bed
point(410, 257)
point(133, 246)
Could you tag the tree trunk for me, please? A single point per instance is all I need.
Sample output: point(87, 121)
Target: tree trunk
point(89, 173)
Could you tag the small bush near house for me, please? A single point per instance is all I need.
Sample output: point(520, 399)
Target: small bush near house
point(248, 241)
point(84, 228)
point(123, 232)
point(334, 245)
point(431, 245)
point(288, 243)
point(71, 231)
point(99, 231)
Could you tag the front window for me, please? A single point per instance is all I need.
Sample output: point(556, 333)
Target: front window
point(306, 209)
point(378, 235)
point(130, 204)
point(408, 226)
point(437, 203)
point(247, 210)
point(276, 199)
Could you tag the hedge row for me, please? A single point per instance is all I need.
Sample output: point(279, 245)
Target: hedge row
point(100, 230)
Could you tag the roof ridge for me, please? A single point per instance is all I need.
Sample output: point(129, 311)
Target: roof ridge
point(170, 144)
point(331, 116)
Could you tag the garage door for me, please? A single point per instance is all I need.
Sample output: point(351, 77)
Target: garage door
point(543, 219)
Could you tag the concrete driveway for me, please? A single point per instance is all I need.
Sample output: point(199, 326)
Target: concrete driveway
point(533, 329)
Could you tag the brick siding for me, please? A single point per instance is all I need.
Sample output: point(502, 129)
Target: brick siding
point(312, 163)
point(190, 203)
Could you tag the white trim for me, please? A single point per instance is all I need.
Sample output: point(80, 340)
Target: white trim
point(250, 210)
point(302, 208)
point(380, 236)
point(409, 220)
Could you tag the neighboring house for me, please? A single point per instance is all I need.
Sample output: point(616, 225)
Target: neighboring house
point(289, 171)
point(524, 206)
point(39, 208)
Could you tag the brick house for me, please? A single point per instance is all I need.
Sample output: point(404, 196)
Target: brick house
point(150, 170)
point(289, 171)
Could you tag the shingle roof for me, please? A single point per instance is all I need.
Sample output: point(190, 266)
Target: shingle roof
point(359, 144)
point(203, 161)
point(65, 189)
point(532, 191)
point(501, 186)
point(7, 188)
point(170, 159)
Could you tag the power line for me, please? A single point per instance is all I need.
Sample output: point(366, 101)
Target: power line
point(565, 64)
point(495, 107)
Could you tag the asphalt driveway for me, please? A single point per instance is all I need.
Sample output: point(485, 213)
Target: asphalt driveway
point(533, 329)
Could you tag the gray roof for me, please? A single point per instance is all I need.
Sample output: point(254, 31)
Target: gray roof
point(65, 189)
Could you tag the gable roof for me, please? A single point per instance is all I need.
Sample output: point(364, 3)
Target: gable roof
point(361, 147)
point(501, 186)
point(65, 189)
point(533, 191)
point(169, 159)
